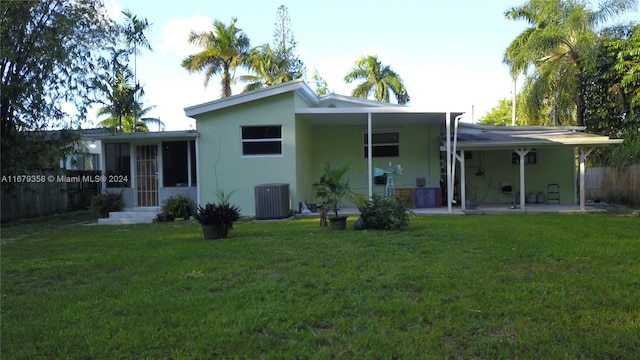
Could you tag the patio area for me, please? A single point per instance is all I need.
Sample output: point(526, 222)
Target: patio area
point(532, 209)
point(491, 209)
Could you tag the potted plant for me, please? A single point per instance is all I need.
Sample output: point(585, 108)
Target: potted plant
point(217, 218)
point(332, 189)
point(103, 204)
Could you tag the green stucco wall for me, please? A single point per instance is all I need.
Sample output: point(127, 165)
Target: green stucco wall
point(419, 154)
point(304, 163)
point(553, 165)
point(221, 163)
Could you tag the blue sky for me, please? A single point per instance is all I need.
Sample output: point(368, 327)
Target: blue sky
point(448, 52)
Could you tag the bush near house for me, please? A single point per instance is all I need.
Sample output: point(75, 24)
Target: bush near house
point(103, 204)
point(179, 206)
point(385, 214)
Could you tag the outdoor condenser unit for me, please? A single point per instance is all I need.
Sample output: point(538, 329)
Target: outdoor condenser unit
point(272, 201)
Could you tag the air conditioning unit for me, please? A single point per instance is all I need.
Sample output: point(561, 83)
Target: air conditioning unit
point(272, 201)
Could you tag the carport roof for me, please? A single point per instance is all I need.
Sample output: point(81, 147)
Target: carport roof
point(380, 116)
point(479, 137)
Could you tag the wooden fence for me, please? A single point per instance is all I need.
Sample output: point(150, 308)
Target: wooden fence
point(613, 185)
point(36, 193)
point(47, 192)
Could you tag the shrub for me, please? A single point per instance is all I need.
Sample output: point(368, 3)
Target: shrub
point(384, 214)
point(103, 204)
point(179, 205)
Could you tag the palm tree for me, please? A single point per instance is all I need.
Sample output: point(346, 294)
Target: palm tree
point(269, 69)
point(322, 88)
point(561, 32)
point(122, 107)
point(377, 78)
point(224, 49)
point(133, 31)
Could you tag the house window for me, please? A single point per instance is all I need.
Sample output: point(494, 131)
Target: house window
point(262, 140)
point(85, 162)
point(530, 158)
point(175, 164)
point(192, 160)
point(178, 161)
point(118, 164)
point(383, 144)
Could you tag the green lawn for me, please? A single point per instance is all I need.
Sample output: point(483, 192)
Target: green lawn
point(449, 287)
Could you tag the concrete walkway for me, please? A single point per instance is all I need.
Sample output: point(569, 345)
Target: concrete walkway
point(489, 209)
point(532, 209)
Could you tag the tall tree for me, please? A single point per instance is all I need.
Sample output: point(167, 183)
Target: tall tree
point(285, 45)
point(499, 115)
point(134, 33)
point(268, 69)
point(378, 79)
point(611, 79)
point(224, 49)
point(51, 52)
point(122, 104)
point(560, 32)
point(322, 88)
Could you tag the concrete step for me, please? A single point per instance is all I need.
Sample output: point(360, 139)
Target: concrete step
point(131, 216)
point(124, 221)
point(155, 209)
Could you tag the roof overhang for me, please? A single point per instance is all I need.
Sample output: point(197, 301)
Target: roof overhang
point(380, 116)
point(161, 135)
point(297, 86)
point(353, 100)
point(478, 137)
point(532, 144)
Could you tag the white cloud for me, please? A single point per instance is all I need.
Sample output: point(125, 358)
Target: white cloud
point(333, 69)
point(114, 10)
point(175, 33)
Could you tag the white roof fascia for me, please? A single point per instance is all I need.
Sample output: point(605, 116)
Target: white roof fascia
point(521, 128)
point(308, 95)
point(489, 145)
point(354, 100)
point(366, 110)
point(299, 86)
point(191, 134)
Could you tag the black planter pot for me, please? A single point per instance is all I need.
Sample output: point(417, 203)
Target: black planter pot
point(214, 231)
point(338, 222)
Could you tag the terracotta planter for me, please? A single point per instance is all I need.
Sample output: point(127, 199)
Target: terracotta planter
point(338, 222)
point(214, 231)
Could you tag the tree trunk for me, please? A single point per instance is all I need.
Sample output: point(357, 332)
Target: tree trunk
point(580, 107)
point(226, 81)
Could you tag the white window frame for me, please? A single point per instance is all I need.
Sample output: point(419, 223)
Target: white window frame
point(280, 140)
point(374, 144)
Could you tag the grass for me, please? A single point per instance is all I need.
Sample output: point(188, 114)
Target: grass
point(450, 287)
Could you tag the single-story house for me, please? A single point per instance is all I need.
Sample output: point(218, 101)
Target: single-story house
point(147, 167)
point(276, 139)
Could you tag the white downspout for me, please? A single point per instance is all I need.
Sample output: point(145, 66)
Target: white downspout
point(198, 180)
point(449, 179)
point(454, 154)
point(463, 182)
point(370, 157)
